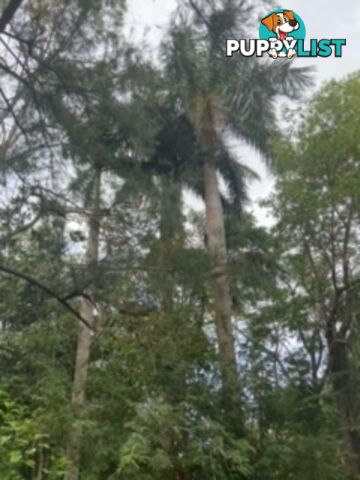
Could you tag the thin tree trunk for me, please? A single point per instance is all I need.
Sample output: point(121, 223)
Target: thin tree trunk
point(171, 216)
point(171, 227)
point(215, 230)
point(205, 120)
point(341, 383)
point(84, 337)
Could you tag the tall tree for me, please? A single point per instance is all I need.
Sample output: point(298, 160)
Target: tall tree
point(86, 332)
point(218, 93)
point(318, 210)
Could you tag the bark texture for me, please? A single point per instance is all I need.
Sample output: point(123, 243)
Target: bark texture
point(171, 228)
point(205, 117)
point(215, 230)
point(343, 391)
point(84, 337)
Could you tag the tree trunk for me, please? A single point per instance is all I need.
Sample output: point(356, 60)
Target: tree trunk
point(204, 117)
point(341, 383)
point(215, 230)
point(84, 337)
point(171, 227)
point(171, 215)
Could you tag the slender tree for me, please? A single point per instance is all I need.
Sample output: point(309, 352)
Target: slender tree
point(219, 93)
point(318, 208)
point(88, 312)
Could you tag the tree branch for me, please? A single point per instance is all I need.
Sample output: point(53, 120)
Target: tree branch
point(48, 291)
point(199, 14)
point(9, 13)
point(22, 229)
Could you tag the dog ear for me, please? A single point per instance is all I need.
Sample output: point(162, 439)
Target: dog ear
point(289, 14)
point(270, 22)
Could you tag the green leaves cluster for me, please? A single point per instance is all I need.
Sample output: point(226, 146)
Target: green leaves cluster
point(154, 408)
point(167, 441)
point(23, 447)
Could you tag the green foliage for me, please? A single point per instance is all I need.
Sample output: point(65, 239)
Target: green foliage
point(23, 447)
point(298, 457)
point(167, 442)
point(84, 100)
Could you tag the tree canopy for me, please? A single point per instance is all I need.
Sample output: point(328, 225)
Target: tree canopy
point(142, 338)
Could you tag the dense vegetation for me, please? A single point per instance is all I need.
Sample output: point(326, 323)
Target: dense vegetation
point(139, 338)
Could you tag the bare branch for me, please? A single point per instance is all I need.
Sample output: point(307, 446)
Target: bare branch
point(22, 229)
point(48, 291)
point(9, 13)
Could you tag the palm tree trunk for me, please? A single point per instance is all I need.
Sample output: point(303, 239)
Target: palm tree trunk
point(215, 230)
point(84, 337)
point(204, 117)
point(342, 388)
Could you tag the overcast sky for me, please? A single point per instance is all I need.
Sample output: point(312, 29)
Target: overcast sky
point(323, 19)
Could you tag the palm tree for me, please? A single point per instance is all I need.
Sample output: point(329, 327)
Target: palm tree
point(215, 94)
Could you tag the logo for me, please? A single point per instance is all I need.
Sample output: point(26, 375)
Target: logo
point(282, 35)
point(282, 28)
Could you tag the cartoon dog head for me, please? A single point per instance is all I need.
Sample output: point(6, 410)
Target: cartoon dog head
point(281, 23)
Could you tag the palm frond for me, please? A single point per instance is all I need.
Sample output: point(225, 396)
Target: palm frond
point(250, 94)
point(235, 176)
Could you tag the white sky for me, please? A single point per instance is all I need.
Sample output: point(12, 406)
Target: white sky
point(323, 19)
